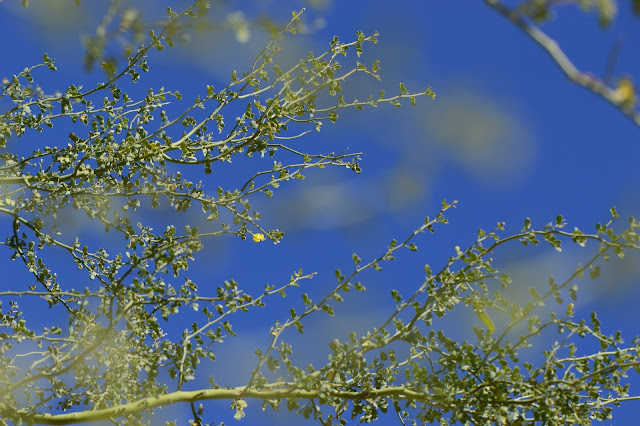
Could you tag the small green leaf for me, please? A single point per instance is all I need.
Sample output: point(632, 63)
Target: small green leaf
point(109, 67)
point(486, 320)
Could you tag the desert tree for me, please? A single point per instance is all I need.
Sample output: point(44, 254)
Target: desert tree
point(129, 331)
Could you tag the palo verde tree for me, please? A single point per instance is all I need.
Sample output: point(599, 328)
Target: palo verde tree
point(110, 350)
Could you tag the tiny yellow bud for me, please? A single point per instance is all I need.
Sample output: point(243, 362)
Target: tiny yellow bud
point(625, 92)
point(258, 237)
point(570, 309)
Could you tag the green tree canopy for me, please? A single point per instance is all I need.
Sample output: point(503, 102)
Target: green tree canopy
point(128, 331)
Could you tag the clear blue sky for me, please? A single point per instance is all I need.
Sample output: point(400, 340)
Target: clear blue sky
point(508, 136)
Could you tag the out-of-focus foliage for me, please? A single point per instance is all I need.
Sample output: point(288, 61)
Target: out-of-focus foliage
point(542, 10)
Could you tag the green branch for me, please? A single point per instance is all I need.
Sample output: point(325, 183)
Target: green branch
point(284, 391)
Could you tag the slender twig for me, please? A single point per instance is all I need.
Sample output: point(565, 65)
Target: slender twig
point(586, 80)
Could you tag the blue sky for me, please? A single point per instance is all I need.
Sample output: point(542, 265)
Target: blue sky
point(508, 136)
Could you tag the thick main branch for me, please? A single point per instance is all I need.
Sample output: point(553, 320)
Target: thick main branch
point(285, 391)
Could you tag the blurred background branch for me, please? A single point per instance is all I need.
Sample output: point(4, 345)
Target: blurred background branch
point(622, 96)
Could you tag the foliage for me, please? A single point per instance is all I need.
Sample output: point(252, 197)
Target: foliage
point(111, 357)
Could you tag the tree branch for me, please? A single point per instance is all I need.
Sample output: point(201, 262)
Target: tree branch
point(586, 80)
point(284, 391)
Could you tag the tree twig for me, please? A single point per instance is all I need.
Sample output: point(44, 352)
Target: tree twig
point(584, 79)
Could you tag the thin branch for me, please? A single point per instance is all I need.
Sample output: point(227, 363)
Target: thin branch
point(586, 80)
